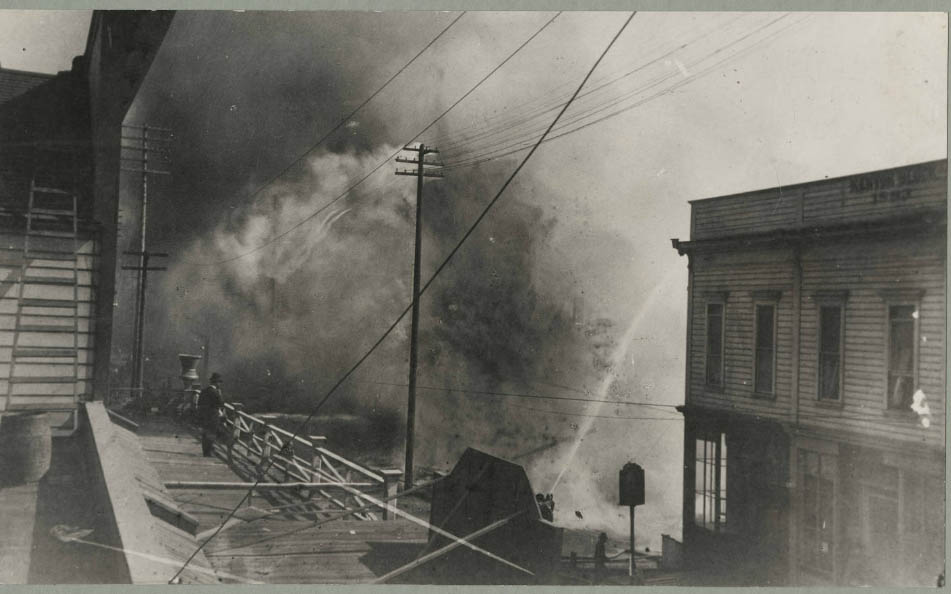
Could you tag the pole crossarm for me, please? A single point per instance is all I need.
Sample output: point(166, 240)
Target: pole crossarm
point(151, 254)
point(146, 127)
point(149, 171)
point(421, 148)
point(415, 173)
point(416, 162)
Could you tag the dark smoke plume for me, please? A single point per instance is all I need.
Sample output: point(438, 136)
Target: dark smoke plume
point(284, 322)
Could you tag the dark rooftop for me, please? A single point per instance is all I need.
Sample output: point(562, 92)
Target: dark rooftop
point(14, 83)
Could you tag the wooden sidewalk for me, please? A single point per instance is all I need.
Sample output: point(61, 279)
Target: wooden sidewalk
point(252, 545)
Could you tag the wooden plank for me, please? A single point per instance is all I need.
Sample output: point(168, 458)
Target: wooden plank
point(17, 515)
point(148, 540)
point(238, 486)
point(331, 553)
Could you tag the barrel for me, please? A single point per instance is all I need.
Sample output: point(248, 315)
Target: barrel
point(26, 447)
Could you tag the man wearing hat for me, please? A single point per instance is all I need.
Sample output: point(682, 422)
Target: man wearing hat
point(210, 409)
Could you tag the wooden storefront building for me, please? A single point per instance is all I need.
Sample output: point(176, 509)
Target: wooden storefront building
point(815, 382)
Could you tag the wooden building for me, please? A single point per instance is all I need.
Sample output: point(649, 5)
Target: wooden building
point(60, 150)
point(816, 381)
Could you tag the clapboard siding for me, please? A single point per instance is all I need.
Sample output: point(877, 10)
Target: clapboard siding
point(764, 213)
point(740, 274)
point(865, 269)
point(50, 393)
point(865, 197)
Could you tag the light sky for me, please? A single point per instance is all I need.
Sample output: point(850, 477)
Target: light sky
point(42, 40)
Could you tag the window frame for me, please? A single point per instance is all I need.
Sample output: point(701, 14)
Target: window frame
point(831, 455)
point(720, 485)
point(765, 299)
point(831, 299)
point(897, 298)
point(714, 298)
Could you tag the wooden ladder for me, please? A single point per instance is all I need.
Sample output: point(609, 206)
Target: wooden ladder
point(44, 361)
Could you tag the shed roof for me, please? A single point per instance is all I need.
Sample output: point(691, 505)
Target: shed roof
point(14, 83)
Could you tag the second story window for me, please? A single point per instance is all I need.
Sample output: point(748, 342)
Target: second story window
point(830, 352)
point(714, 346)
point(902, 355)
point(764, 368)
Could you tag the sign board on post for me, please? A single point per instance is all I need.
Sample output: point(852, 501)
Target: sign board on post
point(631, 485)
point(631, 493)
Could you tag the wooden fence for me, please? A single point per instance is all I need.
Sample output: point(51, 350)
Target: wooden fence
point(278, 455)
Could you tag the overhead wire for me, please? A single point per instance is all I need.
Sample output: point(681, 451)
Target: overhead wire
point(521, 145)
point(590, 416)
point(519, 115)
point(442, 266)
point(508, 150)
point(554, 98)
point(506, 125)
point(508, 131)
point(519, 395)
point(353, 186)
point(356, 110)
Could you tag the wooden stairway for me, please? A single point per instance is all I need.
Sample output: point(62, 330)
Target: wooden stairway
point(44, 368)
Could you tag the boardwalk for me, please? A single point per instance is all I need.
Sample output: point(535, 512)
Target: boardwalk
point(251, 548)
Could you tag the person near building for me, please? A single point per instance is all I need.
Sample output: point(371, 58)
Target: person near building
point(546, 506)
point(210, 410)
point(600, 558)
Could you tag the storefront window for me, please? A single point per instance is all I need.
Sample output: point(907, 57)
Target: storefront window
point(710, 483)
point(817, 521)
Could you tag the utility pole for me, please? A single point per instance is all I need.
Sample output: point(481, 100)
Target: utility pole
point(148, 152)
point(420, 173)
point(138, 353)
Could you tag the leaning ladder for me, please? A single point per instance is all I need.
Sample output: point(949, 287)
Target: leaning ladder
point(44, 362)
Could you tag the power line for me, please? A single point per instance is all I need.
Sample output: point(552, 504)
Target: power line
point(361, 106)
point(612, 102)
point(585, 415)
point(484, 132)
point(516, 146)
point(508, 150)
point(349, 116)
point(392, 326)
point(519, 395)
point(546, 99)
point(388, 159)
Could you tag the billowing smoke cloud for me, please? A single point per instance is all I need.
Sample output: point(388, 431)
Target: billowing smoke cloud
point(509, 315)
point(273, 312)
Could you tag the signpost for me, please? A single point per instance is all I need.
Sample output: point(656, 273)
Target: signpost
point(631, 494)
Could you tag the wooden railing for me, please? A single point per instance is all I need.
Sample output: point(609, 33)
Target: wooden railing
point(277, 454)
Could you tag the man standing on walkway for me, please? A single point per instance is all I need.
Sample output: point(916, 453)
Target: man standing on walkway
point(210, 410)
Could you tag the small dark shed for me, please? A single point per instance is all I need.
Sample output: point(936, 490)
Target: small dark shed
point(480, 490)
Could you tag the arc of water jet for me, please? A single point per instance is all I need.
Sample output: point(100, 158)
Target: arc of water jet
point(619, 353)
